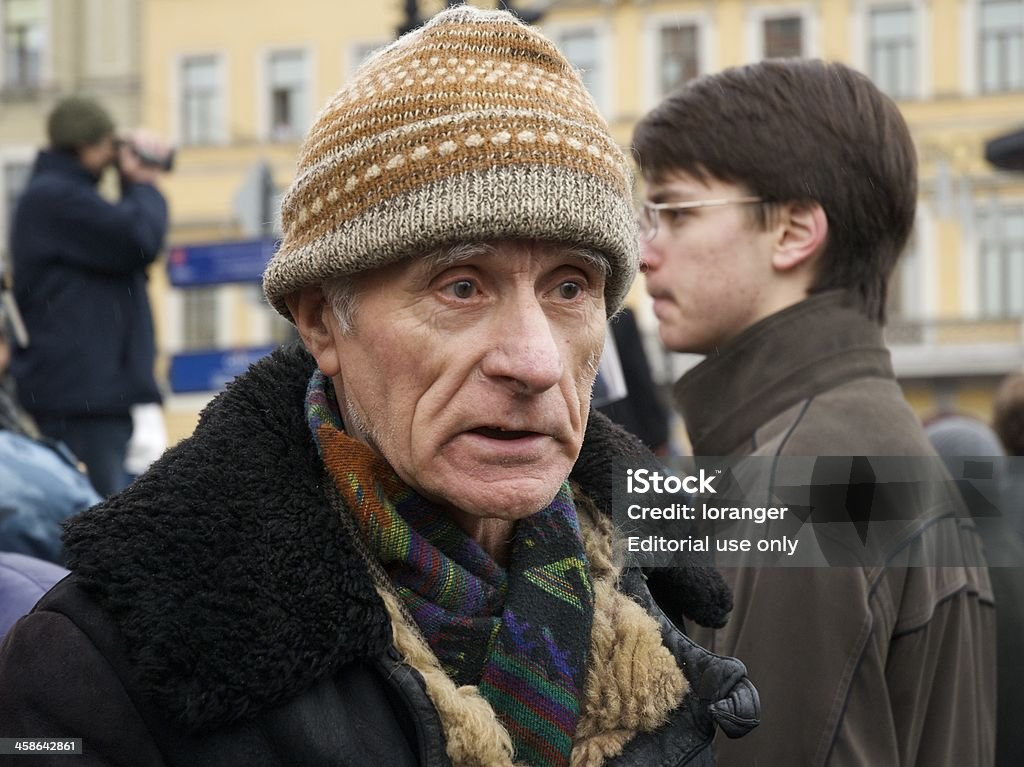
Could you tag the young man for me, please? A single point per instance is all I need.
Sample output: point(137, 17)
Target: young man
point(778, 199)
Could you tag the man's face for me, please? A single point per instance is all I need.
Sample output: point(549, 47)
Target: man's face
point(473, 378)
point(99, 156)
point(709, 270)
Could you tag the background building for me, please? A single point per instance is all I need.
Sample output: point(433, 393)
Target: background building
point(235, 83)
point(48, 49)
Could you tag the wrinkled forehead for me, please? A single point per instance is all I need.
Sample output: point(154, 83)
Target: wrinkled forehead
point(517, 253)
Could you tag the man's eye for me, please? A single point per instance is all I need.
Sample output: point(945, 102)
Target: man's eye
point(671, 217)
point(569, 290)
point(462, 289)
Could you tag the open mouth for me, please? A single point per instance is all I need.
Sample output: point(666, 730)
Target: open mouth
point(494, 433)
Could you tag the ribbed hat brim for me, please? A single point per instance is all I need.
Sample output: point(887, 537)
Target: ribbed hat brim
point(540, 202)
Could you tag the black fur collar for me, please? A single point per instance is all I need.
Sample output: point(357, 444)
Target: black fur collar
point(225, 569)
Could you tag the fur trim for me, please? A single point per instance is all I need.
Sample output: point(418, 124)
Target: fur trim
point(633, 682)
point(228, 572)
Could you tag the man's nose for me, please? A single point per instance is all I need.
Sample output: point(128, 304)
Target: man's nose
point(525, 357)
point(650, 255)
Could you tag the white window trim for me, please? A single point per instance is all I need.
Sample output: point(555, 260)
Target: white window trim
point(258, 314)
point(605, 54)
point(46, 64)
point(970, 69)
point(757, 15)
point(924, 290)
point(970, 72)
point(970, 287)
point(173, 337)
point(351, 59)
point(970, 263)
point(221, 137)
point(15, 153)
point(859, 13)
point(926, 262)
point(263, 90)
point(653, 23)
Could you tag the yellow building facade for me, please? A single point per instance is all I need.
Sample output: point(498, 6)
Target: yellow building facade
point(50, 49)
point(235, 84)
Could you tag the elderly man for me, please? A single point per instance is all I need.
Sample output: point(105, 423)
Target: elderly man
point(398, 550)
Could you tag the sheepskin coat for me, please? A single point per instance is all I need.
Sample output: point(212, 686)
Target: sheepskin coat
point(219, 614)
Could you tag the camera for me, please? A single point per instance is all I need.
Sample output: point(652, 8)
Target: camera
point(164, 163)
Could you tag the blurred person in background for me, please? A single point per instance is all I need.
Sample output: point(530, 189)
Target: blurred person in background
point(976, 461)
point(640, 411)
point(778, 197)
point(394, 546)
point(41, 482)
point(79, 267)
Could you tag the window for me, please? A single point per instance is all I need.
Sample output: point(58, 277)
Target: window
point(679, 59)
point(286, 74)
point(360, 52)
point(199, 312)
point(581, 47)
point(200, 100)
point(892, 50)
point(22, 25)
point(1001, 261)
point(783, 37)
point(1001, 45)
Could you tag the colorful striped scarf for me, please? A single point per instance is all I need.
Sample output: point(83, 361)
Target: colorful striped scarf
point(521, 634)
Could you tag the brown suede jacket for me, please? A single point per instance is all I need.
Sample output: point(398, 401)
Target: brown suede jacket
point(882, 664)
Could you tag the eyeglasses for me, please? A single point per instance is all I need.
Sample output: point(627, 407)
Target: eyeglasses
point(650, 212)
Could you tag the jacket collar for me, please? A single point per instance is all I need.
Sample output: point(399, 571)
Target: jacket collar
point(227, 572)
point(790, 356)
point(65, 163)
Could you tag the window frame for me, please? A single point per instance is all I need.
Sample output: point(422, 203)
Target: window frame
point(758, 15)
point(653, 26)
point(603, 55)
point(45, 76)
point(996, 210)
point(265, 98)
point(218, 132)
point(920, 87)
point(974, 52)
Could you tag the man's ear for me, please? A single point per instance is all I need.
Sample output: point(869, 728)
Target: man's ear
point(802, 233)
point(312, 317)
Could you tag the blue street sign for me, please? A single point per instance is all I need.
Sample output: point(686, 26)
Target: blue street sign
point(212, 370)
point(219, 262)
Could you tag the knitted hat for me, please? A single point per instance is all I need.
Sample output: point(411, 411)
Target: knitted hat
point(78, 121)
point(473, 127)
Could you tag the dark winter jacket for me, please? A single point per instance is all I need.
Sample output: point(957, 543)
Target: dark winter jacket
point(80, 282)
point(219, 614)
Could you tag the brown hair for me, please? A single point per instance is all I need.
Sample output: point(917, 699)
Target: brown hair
point(797, 130)
point(1008, 414)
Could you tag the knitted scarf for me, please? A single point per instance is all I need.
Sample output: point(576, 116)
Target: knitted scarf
point(521, 634)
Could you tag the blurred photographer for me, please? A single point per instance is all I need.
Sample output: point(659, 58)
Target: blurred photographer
point(80, 265)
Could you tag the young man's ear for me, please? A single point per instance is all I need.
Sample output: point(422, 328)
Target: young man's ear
point(312, 318)
point(802, 234)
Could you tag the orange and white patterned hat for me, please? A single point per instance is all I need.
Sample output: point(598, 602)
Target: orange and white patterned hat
point(473, 127)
